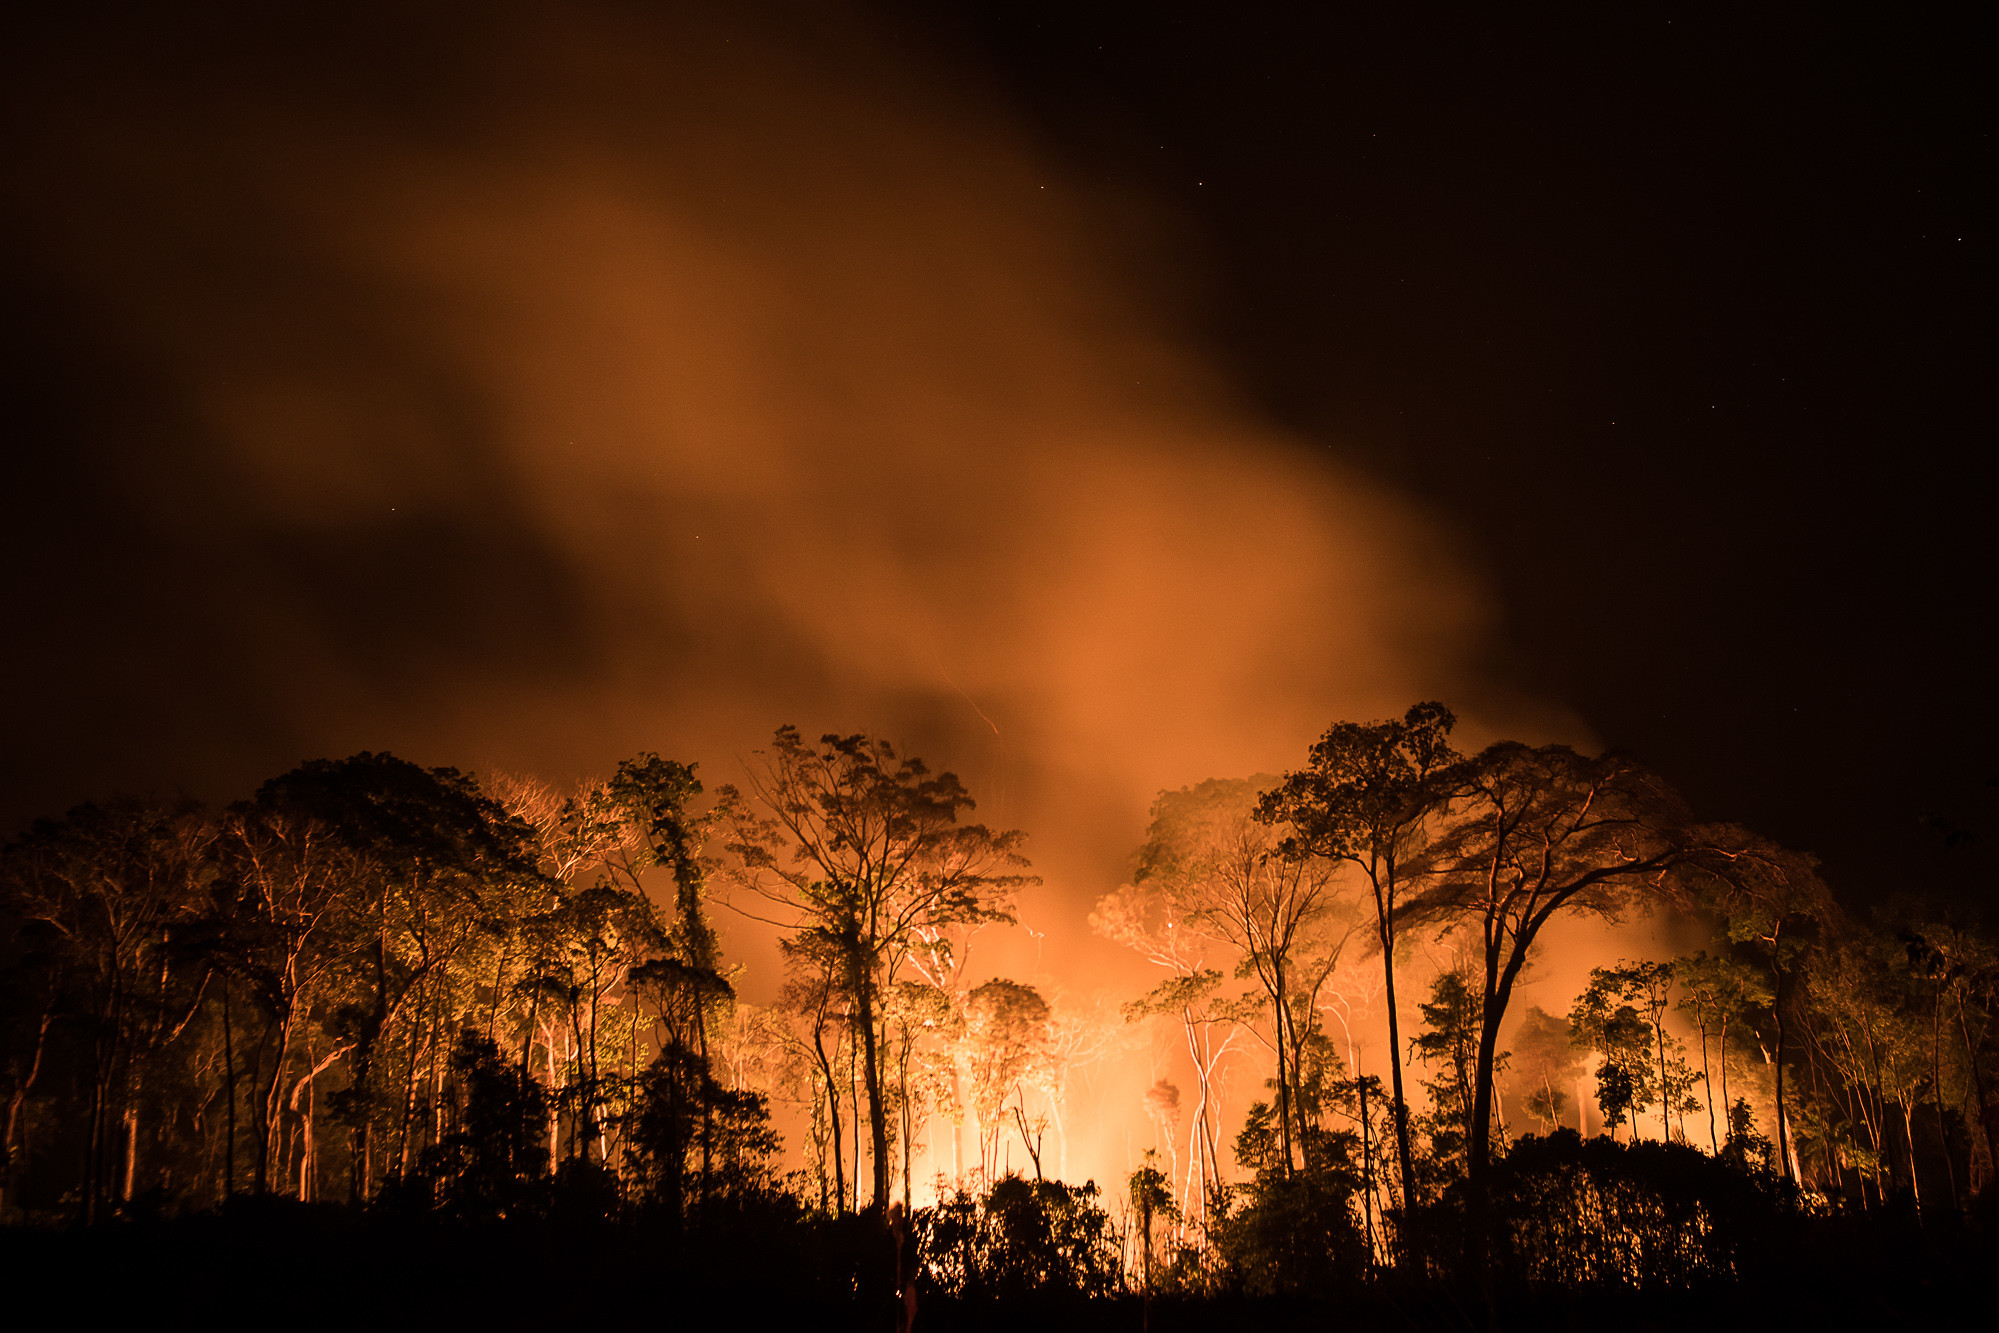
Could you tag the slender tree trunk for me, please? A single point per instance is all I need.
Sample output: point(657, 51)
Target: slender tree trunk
point(1284, 1073)
point(1405, 1159)
point(854, 1113)
point(1936, 1096)
point(1727, 1106)
point(957, 1124)
point(309, 1159)
point(270, 1107)
point(8, 1158)
point(1909, 1128)
point(499, 980)
point(1203, 1115)
point(555, 1100)
point(1791, 1172)
point(131, 1149)
point(908, 1118)
point(877, 1112)
point(1707, 1086)
point(229, 1092)
point(415, 1065)
point(1665, 1084)
point(1366, 1165)
point(1987, 1121)
point(707, 1103)
point(832, 1116)
point(1498, 986)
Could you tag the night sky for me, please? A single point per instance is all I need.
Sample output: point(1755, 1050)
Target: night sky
point(1680, 317)
point(1673, 324)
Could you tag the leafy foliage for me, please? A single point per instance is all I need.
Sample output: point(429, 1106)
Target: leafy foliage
point(1021, 1238)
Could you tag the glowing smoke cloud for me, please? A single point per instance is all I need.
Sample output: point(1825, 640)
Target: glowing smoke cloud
point(578, 389)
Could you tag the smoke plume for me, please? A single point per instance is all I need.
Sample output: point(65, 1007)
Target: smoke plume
point(522, 393)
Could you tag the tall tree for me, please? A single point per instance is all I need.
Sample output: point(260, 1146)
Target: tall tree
point(1367, 797)
point(1773, 904)
point(861, 848)
point(108, 886)
point(1147, 919)
point(1603, 1021)
point(285, 910)
point(1962, 969)
point(1281, 915)
point(1719, 992)
point(1008, 1035)
point(1536, 833)
point(426, 845)
point(1448, 1042)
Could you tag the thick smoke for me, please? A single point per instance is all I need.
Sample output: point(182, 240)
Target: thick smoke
point(526, 394)
point(539, 393)
point(607, 385)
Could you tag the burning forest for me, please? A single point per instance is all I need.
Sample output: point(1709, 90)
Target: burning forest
point(400, 992)
point(869, 665)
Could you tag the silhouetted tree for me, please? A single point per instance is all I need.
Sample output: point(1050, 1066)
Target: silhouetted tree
point(1218, 871)
point(94, 902)
point(690, 1130)
point(1448, 1042)
point(1007, 1036)
point(863, 847)
point(1537, 833)
point(494, 1161)
point(1367, 798)
point(1021, 1238)
point(1720, 994)
point(1603, 1021)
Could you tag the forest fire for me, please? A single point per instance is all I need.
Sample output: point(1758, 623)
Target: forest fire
point(378, 982)
point(877, 772)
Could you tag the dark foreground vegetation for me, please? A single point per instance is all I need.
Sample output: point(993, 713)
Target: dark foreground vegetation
point(385, 1043)
point(255, 1262)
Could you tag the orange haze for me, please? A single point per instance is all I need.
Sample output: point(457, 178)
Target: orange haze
point(734, 374)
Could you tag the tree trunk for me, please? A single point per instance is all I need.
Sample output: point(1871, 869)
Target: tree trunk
point(908, 1118)
point(1285, 1069)
point(877, 1112)
point(1909, 1127)
point(1727, 1106)
point(854, 1117)
point(270, 1112)
point(1405, 1160)
point(1478, 1145)
point(229, 1092)
point(957, 1124)
point(1366, 1165)
point(1665, 1084)
point(1986, 1119)
point(8, 1159)
point(1791, 1171)
point(1707, 1084)
point(1936, 1096)
point(833, 1118)
point(131, 1149)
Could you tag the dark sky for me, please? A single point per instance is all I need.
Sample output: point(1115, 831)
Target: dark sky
point(1681, 316)
point(1676, 320)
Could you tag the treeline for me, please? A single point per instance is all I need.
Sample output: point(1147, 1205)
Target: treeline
point(376, 983)
point(369, 975)
point(1682, 1117)
point(394, 988)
